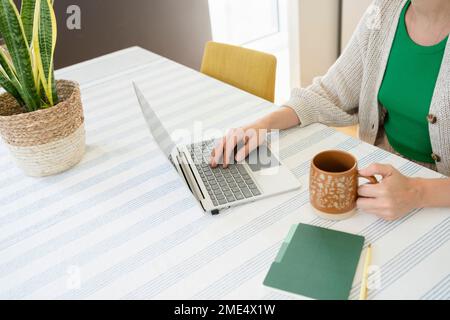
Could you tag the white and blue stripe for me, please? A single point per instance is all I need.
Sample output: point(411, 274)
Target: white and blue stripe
point(129, 224)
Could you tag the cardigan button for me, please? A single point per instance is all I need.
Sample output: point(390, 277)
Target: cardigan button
point(435, 157)
point(432, 118)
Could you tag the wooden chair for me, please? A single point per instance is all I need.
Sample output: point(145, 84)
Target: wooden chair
point(350, 131)
point(246, 69)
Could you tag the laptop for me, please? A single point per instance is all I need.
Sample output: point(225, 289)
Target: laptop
point(260, 176)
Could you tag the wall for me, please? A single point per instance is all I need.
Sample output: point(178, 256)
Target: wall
point(177, 29)
point(314, 38)
point(352, 12)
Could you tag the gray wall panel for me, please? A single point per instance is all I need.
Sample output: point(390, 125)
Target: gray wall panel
point(177, 29)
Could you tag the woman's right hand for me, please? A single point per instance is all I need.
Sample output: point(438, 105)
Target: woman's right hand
point(250, 137)
point(246, 139)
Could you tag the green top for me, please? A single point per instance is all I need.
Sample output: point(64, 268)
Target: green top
point(407, 91)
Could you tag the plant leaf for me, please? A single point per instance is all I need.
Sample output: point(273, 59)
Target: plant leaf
point(27, 16)
point(9, 76)
point(9, 86)
point(6, 64)
point(12, 30)
point(44, 42)
point(35, 47)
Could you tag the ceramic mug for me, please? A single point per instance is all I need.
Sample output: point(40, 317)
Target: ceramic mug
point(333, 184)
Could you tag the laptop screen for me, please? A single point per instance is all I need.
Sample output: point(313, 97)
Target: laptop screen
point(159, 133)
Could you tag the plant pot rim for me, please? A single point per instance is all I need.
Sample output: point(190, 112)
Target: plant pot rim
point(45, 125)
point(40, 112)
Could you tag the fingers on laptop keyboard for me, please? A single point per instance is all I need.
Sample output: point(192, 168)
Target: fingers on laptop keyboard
point(251, 142)
point(224, 151)
point(232, 141)
point(217, 153)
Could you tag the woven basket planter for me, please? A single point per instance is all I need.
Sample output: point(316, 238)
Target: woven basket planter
point(47, 141)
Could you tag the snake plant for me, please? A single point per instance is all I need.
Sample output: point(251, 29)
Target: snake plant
point(26, 67)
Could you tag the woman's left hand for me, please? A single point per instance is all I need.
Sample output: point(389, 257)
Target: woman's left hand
point(394, 197)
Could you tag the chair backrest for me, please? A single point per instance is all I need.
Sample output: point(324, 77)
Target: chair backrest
point(246, 69)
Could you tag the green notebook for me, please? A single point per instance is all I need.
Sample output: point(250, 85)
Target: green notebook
point(317, 263)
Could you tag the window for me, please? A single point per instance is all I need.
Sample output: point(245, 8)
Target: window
point(243, 21)
point(256, 24)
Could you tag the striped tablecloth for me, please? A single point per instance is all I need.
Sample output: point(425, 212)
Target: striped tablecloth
point(121, 225)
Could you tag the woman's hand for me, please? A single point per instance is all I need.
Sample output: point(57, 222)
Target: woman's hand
point(394, 197)
point(246, 139)
point(250, 137)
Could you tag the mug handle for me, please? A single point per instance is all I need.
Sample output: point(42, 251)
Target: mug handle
point(372, 179)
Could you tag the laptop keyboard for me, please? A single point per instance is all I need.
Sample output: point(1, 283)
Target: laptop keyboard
point(224, 186)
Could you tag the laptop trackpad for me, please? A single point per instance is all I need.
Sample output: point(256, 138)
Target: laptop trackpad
point(262, 158)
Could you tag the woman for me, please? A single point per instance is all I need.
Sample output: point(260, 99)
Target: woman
point(394, 80)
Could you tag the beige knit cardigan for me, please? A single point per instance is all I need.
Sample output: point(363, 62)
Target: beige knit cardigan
point(348, 93)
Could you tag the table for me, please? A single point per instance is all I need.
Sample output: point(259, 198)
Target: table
point(121, 225)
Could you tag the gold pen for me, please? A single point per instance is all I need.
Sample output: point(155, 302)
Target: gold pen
point(365, 276)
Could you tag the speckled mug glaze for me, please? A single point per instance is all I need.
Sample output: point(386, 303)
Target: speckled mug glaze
point(333, 184)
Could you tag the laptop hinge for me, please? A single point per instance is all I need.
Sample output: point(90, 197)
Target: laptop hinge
point(180, 169)
point(185, 165)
